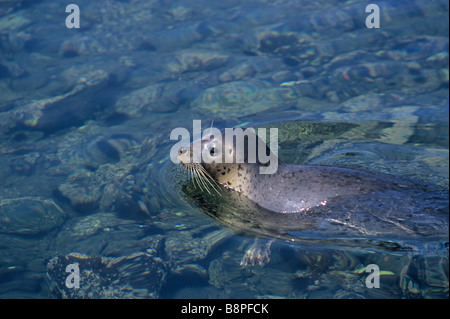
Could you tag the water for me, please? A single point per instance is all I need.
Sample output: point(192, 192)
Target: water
point(86, 115)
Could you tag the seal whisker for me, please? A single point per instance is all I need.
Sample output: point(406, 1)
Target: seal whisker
point(202, 178)
point(194, 178)
point(188, 171)
point(185, 171)
point(206, 179)
point(211, 181)
point(197, 178)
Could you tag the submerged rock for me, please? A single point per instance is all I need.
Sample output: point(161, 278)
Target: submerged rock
point(29, 215)
point(157, 98)
point(138, 275)
point(59, 111)
point(241, 98)
point(101, 169)
point(190, 60)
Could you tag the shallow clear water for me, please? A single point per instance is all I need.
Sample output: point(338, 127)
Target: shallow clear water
point(85, 122)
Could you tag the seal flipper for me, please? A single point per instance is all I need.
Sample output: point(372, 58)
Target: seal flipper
point(258, 253)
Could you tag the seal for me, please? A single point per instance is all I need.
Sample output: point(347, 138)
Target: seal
point(290, 189)
point(309, 203)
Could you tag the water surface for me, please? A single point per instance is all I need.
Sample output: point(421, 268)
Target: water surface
point(86, 115)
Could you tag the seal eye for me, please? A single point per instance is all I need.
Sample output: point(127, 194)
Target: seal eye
point(212, 152)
